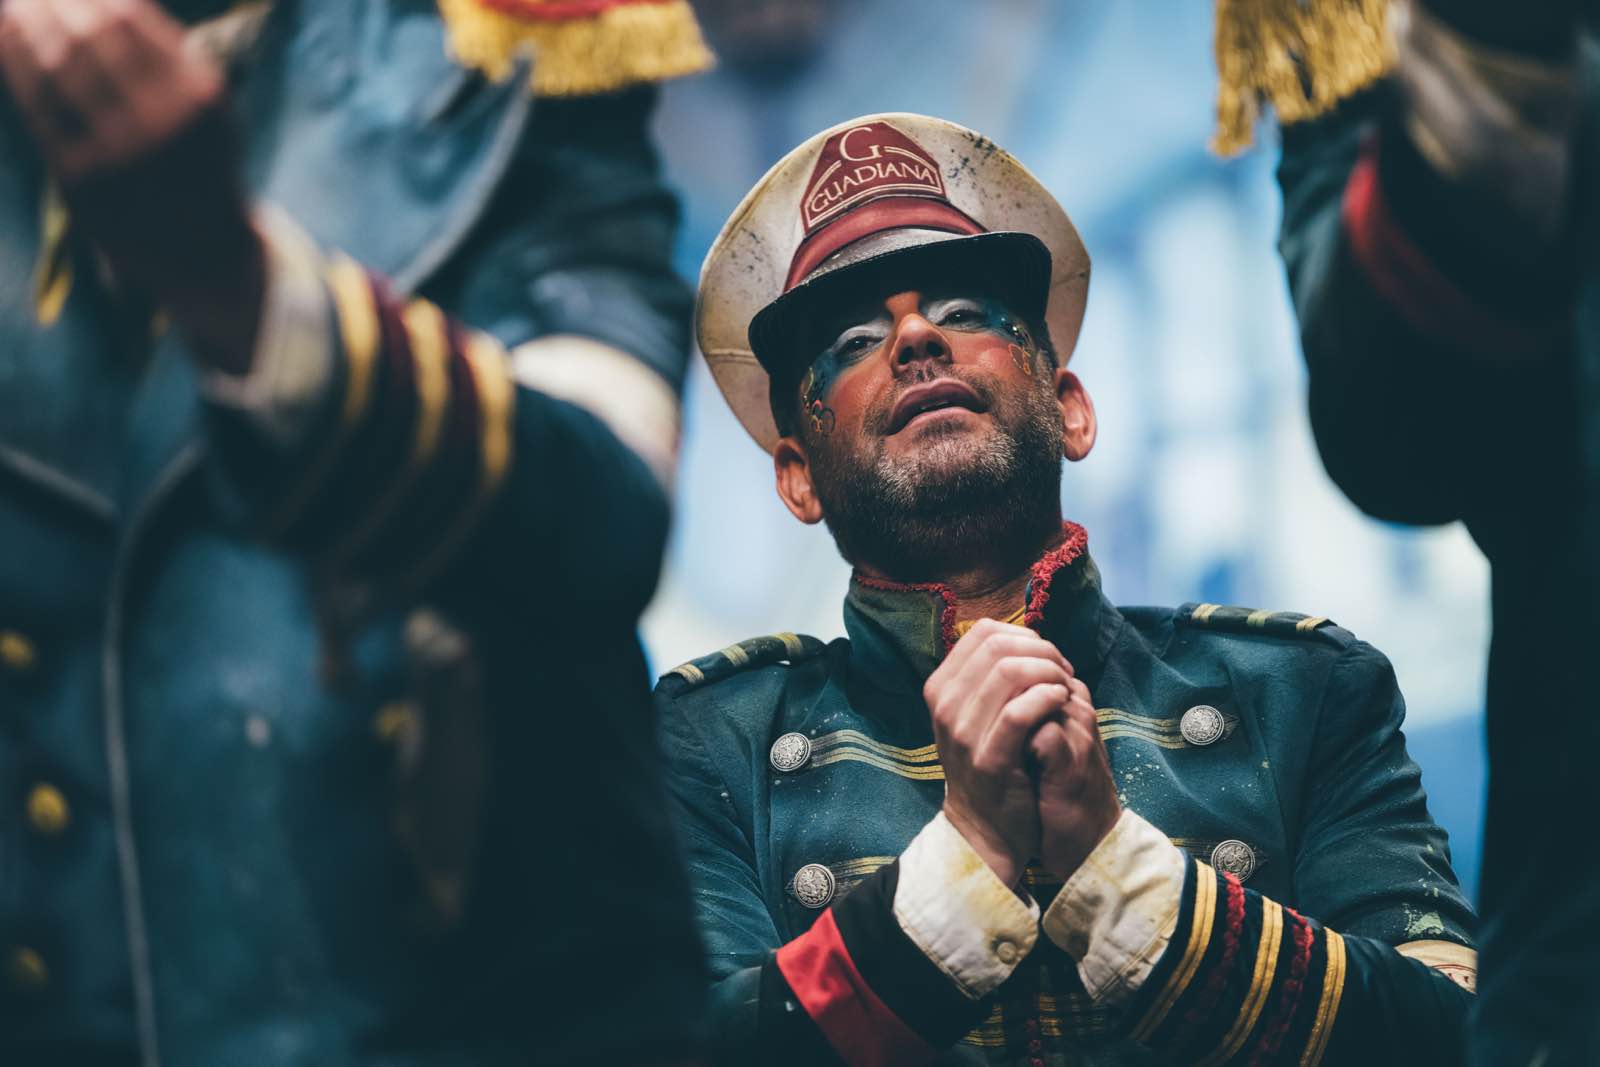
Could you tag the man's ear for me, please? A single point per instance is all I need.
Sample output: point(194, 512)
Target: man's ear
point(1078, 425)
point(793, 469)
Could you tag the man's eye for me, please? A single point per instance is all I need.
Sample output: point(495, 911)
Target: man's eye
point(855, 346)
point(960, 317)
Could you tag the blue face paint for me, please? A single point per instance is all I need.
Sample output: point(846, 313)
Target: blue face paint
point(858, 342)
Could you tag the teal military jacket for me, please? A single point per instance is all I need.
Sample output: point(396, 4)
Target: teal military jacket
point(1267, 746)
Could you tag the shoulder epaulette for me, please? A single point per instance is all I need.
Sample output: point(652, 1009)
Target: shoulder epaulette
point(1250, 621)
point(581, 47)
point(1300, 57)
point(754, 652)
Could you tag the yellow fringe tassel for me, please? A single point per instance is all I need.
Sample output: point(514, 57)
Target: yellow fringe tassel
point(621, 46)
point(1300, 56)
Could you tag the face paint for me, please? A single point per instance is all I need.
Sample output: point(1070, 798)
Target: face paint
point(959, 314)
point(812, 389)
point(1021, 358)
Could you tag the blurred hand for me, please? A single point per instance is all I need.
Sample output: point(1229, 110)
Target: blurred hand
point(134, 126)
point(1078, 802)
point(987, 699)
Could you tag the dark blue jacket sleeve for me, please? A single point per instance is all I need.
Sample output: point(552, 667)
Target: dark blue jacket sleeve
point(1429, 404)
point(449, 451)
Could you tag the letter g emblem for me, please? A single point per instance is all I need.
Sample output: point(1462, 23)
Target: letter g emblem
point(875, 152)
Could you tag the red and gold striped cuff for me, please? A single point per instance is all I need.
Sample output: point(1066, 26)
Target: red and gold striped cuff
point(422, 434)
point(1244, 981)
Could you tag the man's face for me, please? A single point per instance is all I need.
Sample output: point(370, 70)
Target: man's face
point(928, 422)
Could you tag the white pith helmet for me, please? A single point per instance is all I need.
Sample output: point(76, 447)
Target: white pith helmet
point(878, 203)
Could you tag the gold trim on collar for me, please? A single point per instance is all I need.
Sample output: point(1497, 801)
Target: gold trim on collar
point(1014, 619)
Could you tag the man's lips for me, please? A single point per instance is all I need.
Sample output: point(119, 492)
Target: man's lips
point(932, 396)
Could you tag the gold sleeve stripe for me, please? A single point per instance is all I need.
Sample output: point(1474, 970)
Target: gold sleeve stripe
point(354, 306)
point(791, 644)
point(52, 277)
point(1310, 622)
point(1110, 716)
point(358, 328)
point(735, 655)
point(1328, 1006)
point(1255, 997)
point(1203, 612)
point(934, 773)
point(491, 378)
point(689, 673)
point(1257, 618)
point(430, 350)
point(924, 754)
point(863, 865)
point(1205, 907)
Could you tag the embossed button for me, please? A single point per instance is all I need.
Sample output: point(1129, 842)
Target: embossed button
point(1006, 951)
point(790, 752)
point(1201, 725)
point(1235, 858)
point(813, 885)
point(48, 811)
point(25, 970)
point(17, 652)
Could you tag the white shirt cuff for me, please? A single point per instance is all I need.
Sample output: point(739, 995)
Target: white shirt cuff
point(291, 367)
point(973, 926)
point(1117, 912)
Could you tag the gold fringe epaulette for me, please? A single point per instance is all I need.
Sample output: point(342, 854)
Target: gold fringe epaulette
point(580, 47)
point(1302, 57)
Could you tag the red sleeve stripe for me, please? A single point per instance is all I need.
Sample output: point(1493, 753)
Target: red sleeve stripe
point(1205, 1001)
point(1293, 989)
point(1412, 284)
point(856, 1022)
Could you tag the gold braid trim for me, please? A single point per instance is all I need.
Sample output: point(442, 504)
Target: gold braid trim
point(620, 45)
point(1300, 56)
point(52, 275)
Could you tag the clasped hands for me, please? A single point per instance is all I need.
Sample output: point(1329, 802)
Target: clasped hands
point(1026, 774)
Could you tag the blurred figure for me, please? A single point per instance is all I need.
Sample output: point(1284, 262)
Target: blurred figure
point(1005, 821)
point(1439, 235)
point(327, 523)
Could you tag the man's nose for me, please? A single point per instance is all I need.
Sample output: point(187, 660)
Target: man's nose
point(919, 341)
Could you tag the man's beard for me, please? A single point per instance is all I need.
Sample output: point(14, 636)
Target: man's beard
point(958, 499)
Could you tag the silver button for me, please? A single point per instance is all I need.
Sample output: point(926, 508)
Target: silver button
point(1201, 725)
point(1235, 858)
point(813, 885)
point(790, 752)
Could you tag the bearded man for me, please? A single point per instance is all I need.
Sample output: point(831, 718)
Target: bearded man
point(1004, 821)
point(301, 567)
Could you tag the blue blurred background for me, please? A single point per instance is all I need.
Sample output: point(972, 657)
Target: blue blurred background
point(1205, 484)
